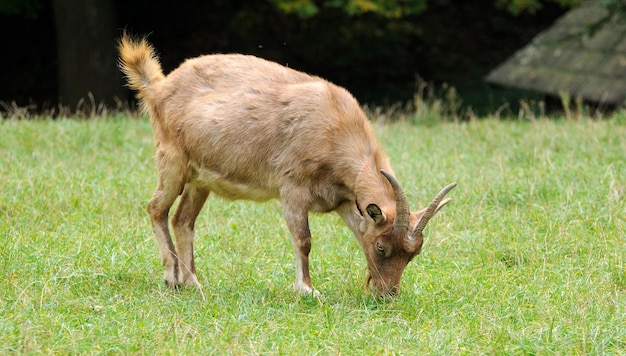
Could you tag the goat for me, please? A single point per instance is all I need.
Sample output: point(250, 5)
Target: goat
point(247, 128)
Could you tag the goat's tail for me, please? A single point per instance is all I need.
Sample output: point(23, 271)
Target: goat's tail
point(139, 63)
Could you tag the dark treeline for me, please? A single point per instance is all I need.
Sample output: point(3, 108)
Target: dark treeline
point(376, 58)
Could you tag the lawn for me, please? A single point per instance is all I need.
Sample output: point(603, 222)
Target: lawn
point(529, 258)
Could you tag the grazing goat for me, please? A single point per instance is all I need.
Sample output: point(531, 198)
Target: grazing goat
point(246, 128)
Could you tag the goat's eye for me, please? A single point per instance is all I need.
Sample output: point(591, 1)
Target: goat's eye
point(380, 248)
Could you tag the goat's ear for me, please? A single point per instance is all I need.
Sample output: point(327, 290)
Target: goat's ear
point(376, 214)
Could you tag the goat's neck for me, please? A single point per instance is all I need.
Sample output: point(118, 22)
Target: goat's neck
point(371, 187)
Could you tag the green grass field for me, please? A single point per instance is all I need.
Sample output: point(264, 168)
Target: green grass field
point(529, 258)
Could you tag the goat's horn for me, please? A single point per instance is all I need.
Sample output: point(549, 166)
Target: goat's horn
point(401, 223)
point(432, 209)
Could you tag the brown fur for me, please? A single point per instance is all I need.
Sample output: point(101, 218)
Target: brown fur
point(246, 128)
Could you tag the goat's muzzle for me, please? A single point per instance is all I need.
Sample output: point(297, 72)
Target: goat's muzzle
point(382, 291)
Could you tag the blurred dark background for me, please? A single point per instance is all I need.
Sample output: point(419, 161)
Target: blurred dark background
point(56, 52)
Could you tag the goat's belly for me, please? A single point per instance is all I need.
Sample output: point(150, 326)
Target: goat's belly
point(233, 190)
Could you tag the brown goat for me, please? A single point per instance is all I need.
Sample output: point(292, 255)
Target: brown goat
point(246, 128)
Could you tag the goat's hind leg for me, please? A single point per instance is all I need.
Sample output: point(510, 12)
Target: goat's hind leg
point(172, 176)
point(183, 221)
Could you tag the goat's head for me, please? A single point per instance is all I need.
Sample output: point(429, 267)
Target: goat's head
point(388, 244)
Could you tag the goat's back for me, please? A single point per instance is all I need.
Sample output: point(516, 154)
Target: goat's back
point(244, 120)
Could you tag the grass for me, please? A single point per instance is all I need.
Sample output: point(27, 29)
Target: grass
point(529, 258)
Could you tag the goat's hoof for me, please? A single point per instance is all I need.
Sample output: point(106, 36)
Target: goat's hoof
point(189, 281)
point(311, 294)
point(305, 290)
point(172, 285)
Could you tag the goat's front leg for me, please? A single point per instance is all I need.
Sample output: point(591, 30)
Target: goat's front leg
point(296, 215)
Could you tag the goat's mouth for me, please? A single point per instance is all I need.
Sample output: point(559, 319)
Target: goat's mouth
point(382, 291)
